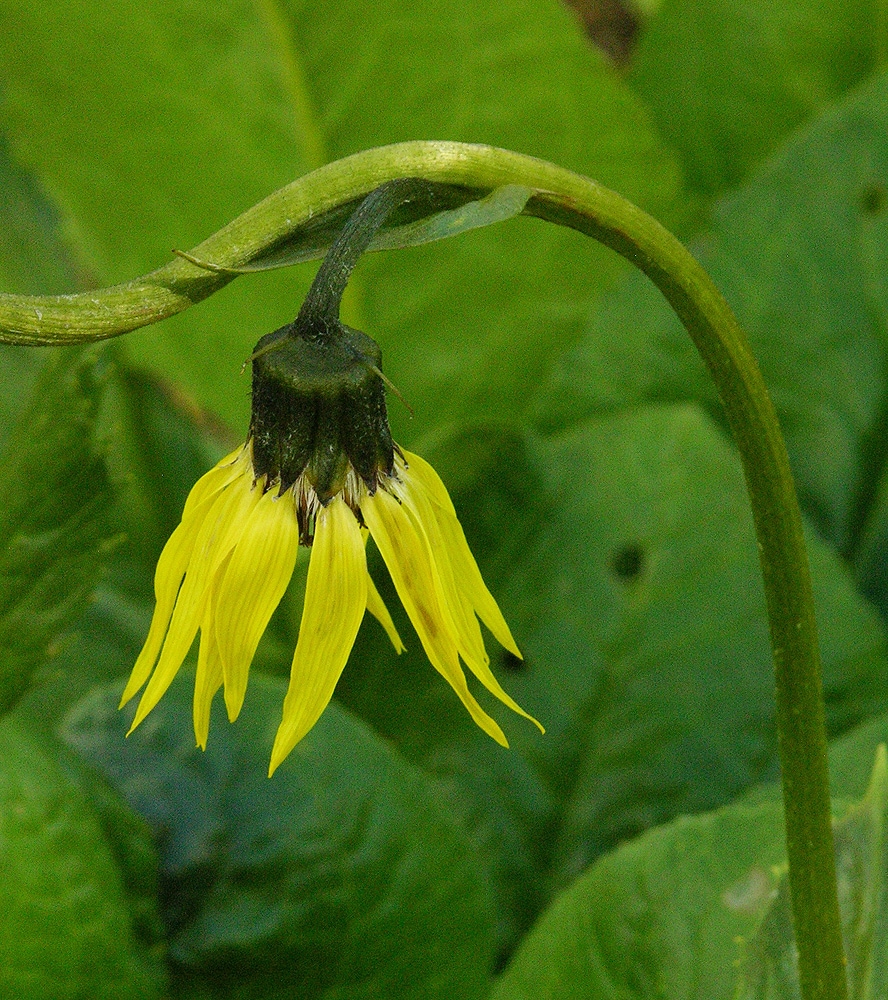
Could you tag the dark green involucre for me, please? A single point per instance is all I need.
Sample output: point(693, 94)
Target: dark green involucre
point(319, 408)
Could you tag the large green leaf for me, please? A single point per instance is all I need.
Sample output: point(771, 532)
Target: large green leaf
point(800, 254)
point(152, 124)
point(769, 970)
point(623, 555)
point(54, 519)
point(660, 917)
point(701, 906)
point(727, 79)
point(686, 909)
point(344, 876)
point(66, 931)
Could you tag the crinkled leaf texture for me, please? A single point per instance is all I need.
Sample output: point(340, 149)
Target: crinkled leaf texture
point(66, 924)
point(342, 877)
point(55, 529)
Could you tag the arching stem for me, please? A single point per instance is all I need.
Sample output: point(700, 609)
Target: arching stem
point(565, 198)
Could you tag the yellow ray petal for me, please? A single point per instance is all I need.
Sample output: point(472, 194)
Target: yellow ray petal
point(464, 566)
point(456, 608)
point(173, 563)
point(376, 607)
point(252, 587)
point(217, 536)
point(419, 469)
point(406, 557)
point(207, 680)
point(469, 576)
point(335, 601)
point(168, 577)
point(428, 518)
point(222, 473)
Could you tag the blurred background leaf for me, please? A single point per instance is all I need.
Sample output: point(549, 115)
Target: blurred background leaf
point(344, 876)
point(184, 116)
point(769, 967)
point(800, 253)
point(55, 531)
point(66, 927)
point(727, 81)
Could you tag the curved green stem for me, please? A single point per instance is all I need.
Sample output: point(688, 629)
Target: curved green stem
point(325, 295)
point(565, 198)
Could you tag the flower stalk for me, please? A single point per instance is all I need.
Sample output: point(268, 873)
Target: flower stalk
point(565, 198)
point(319, 468)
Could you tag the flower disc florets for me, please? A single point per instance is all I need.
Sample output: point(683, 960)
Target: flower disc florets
point(319, 419)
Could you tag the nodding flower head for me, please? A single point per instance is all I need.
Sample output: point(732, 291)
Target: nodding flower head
point(319, 468)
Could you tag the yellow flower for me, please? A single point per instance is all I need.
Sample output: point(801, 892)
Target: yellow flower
point(227, 565)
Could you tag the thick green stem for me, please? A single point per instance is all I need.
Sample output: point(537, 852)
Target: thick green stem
point(567, 199)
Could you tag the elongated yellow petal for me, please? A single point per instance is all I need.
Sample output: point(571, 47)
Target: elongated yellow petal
point(217, 536)
point(456, 609)
point(168, 577)
point(222, 473)
point(207, 680)
point(335, 601)
point(405, 554)
point(254, 583)
point(464, 566)
point(453, 590)
point(376, 607)
point(419, 469)
point(469, 576)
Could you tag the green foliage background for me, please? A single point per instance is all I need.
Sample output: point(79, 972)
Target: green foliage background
point(398, 852)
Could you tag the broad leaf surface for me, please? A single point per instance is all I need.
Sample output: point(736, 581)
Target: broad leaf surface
point(344, 876)
point(66, 930)
point(769, 968)
point(693, 908)
point(55, 530)
point(154, 124)
point(727, 80)
point(660, 917)
point(800, 253)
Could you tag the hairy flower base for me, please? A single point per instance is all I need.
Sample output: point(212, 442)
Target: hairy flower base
point(226, 566)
